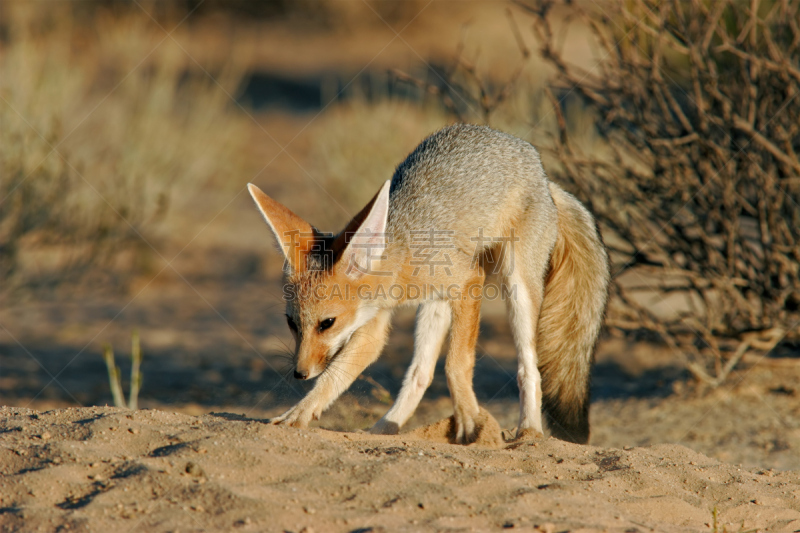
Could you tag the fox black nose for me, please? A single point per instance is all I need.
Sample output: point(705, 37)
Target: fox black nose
point(300, 375)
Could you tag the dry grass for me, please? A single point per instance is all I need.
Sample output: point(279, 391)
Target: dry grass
point(103, 122)
point(357, 144)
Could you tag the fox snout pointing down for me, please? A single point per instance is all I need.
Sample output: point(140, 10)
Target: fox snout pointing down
point(320, 269)
point(467, 201)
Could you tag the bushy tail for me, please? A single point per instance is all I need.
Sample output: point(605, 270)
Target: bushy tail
point(576, 290)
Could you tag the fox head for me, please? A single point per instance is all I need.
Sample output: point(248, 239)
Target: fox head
point(324, 274)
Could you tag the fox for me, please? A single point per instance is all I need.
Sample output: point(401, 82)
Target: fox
point(468, 202)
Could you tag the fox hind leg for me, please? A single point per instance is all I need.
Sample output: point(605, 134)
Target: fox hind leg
point(460, 363)
point(526, 278)
point(433, 322)
point(524, 307)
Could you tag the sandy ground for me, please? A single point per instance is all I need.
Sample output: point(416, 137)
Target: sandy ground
point(93, 469)
point(106, 469)
point(663, 454)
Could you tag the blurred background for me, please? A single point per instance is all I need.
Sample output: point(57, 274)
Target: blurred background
point(129, 130)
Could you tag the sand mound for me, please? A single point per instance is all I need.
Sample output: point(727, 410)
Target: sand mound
point(106, 469)
point(489, 433)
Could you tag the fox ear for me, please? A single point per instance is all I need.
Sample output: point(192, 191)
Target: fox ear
point(363, 241)
point(295, 236)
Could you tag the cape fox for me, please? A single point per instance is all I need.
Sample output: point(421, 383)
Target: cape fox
point(479, 199)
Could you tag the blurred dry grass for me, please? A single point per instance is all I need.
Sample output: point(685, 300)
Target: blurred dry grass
point(355, 152)
point(105, 124)
point(114, 135)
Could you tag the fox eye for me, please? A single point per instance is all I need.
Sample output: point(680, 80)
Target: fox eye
point(290, 321)
point(325, 324)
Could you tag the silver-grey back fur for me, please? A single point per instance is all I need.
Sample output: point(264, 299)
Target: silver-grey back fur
point(464, 178)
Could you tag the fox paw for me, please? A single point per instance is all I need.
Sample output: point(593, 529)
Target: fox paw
point(466, 428)
point(524, 434)
point(384, 427)
point(297, 416)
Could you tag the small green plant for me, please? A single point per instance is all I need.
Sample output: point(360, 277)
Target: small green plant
point(114, 374)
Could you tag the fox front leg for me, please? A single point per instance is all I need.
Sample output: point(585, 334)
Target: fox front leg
point(433, 322)
point(364, 347)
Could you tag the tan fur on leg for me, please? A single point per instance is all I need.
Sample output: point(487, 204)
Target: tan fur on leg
point(460, 362)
